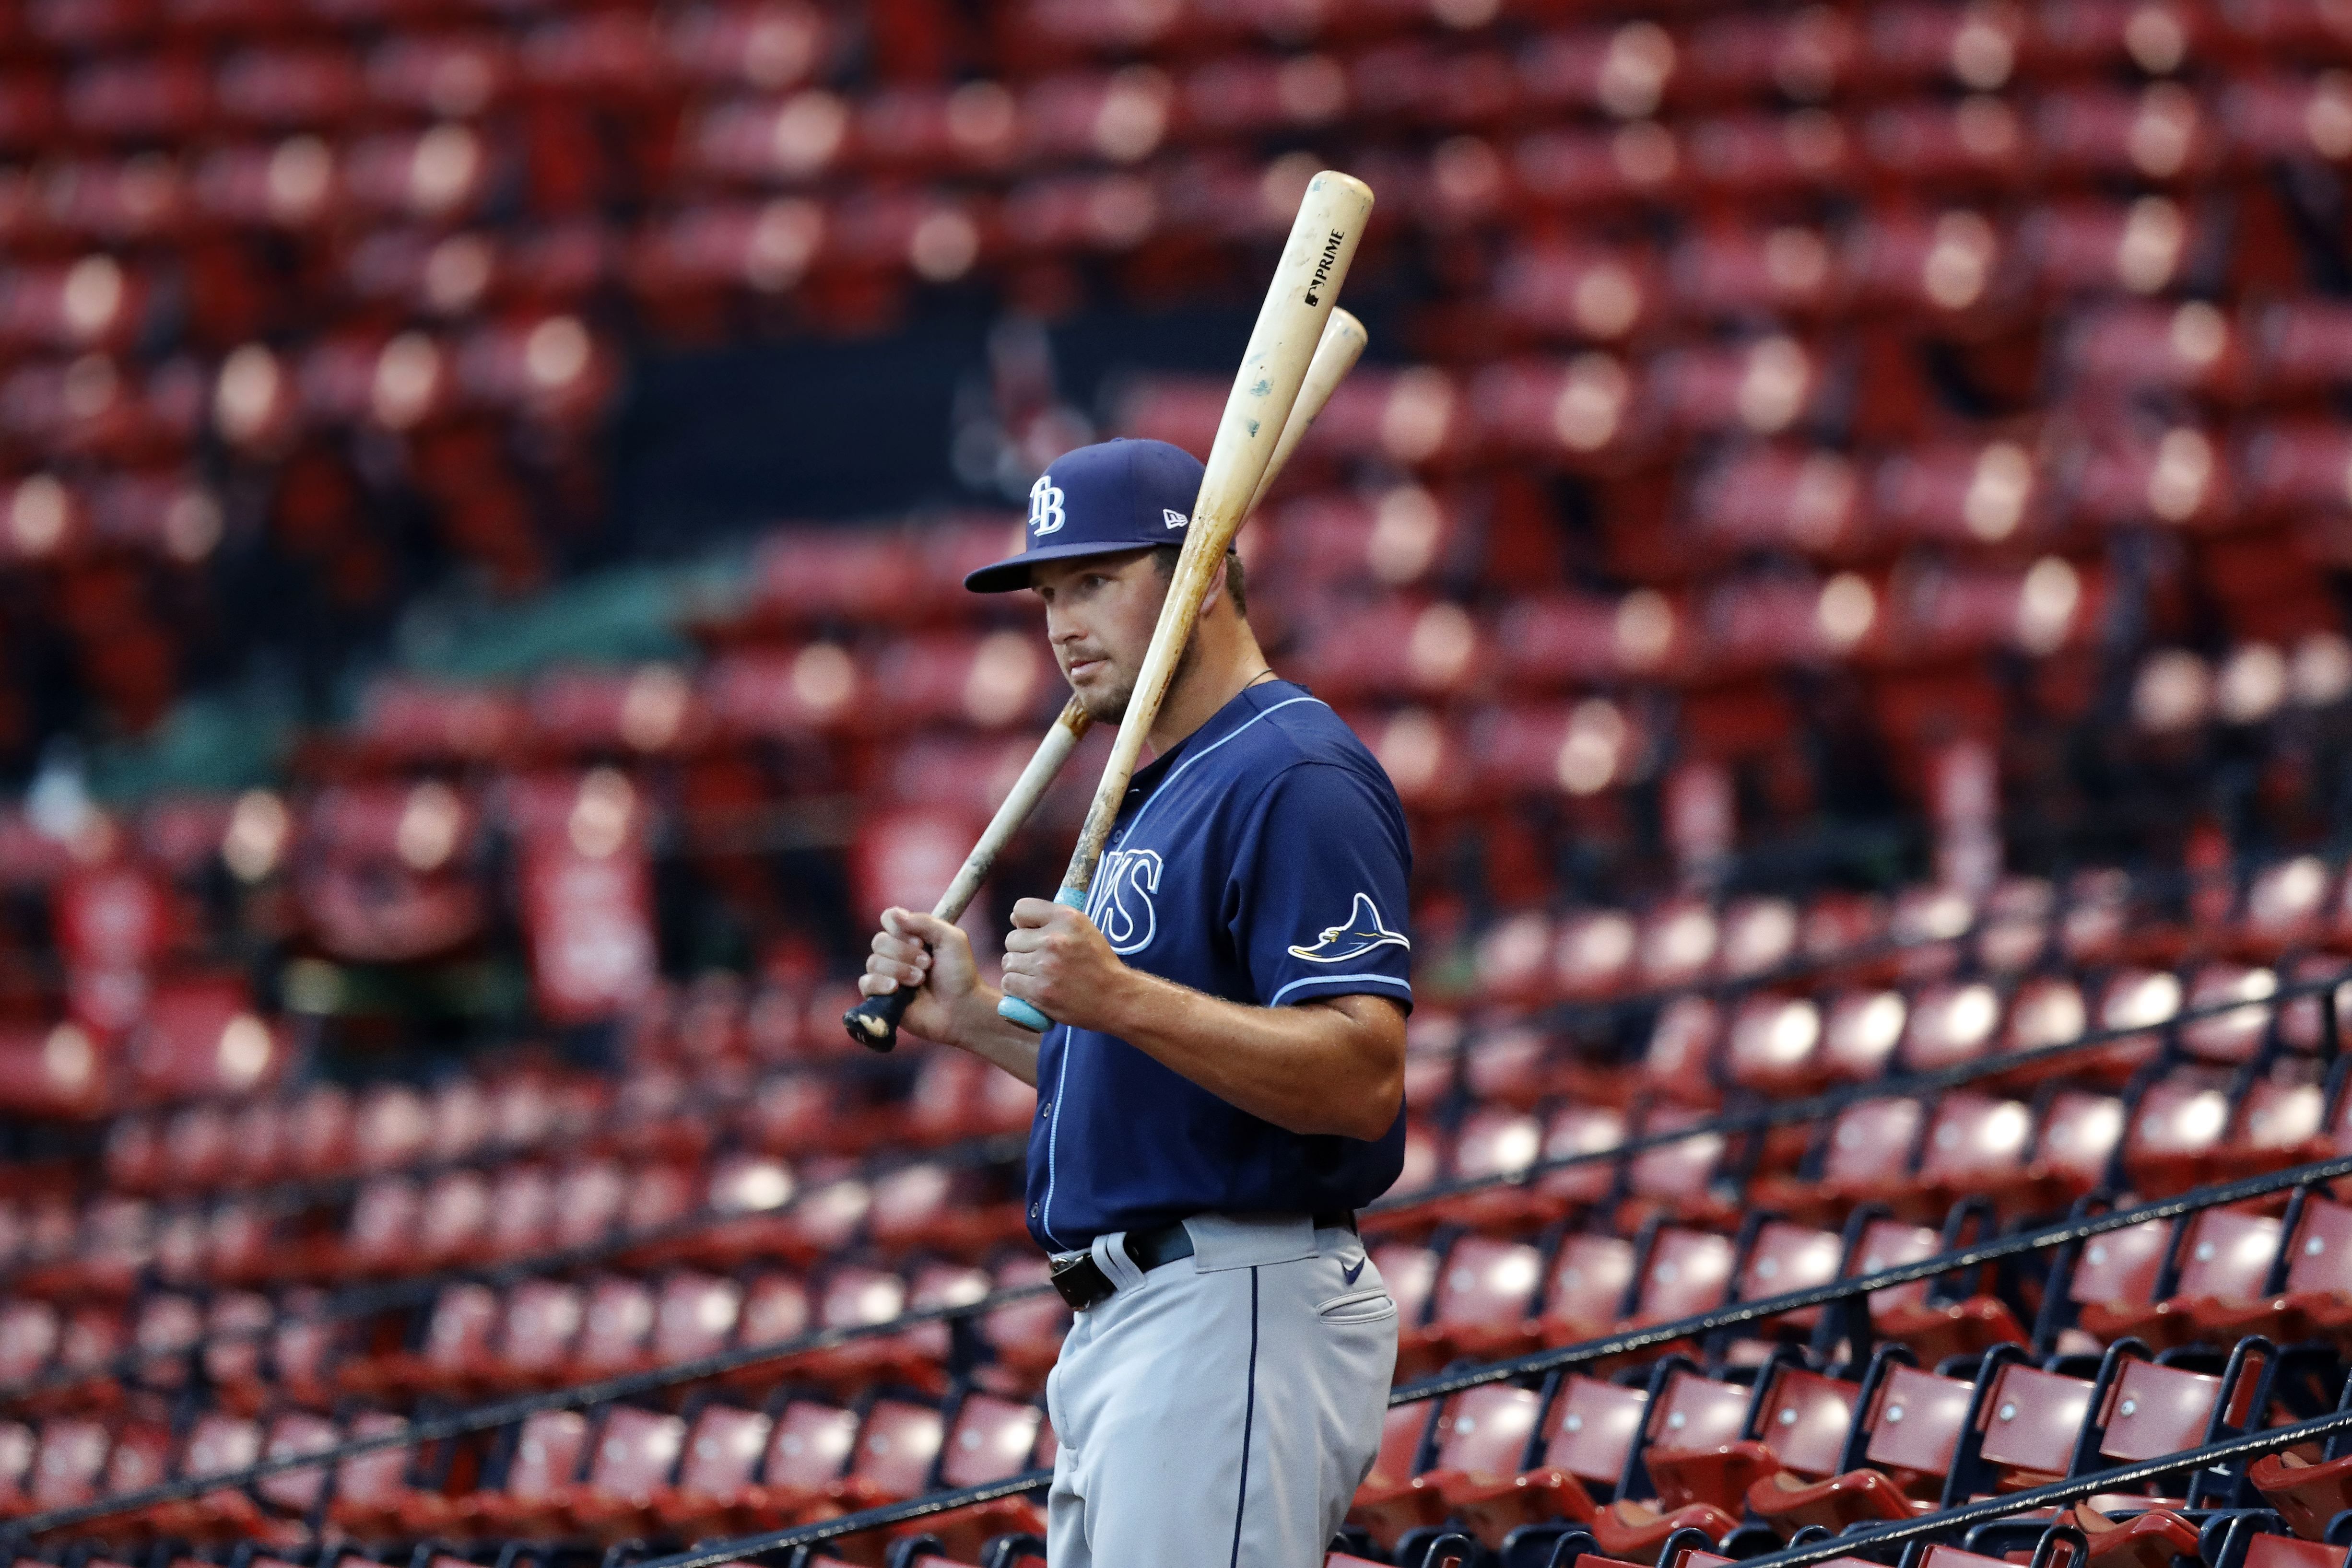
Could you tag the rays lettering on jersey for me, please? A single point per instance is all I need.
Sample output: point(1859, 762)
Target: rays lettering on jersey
point(1119, 904)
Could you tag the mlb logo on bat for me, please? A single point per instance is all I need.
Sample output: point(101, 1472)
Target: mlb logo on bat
point(1046, 514)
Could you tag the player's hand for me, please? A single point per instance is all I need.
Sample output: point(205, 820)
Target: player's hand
point(916, 949)
point(1057, 962)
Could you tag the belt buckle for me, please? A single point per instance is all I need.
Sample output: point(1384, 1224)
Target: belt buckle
point(1080, 1280)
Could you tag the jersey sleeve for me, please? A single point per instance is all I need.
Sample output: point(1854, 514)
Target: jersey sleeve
point(1315, 900)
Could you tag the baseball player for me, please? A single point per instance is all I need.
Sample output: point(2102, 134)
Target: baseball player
point(1224, 1085)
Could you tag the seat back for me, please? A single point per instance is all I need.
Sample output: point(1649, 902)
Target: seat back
point(17, 1446)
point(1593, 1427)
point(2079, 1133)
point(1804, 1419)
point(2267, 1551)
point(2278, 1114)
point(1687, 1272)
point(620, 1315)
point(693, 1317)
point(1871, 1141)
point(1682, 1170)
point(1785, 1257)
point(2228, 1255)
point(776, 1307)
point(1683, 1044)
point(1916, 1421)
point(72, 1458)
point(547, 1453)
point(991, 1438)
point(1588, 1276)
point(29, 1331)
point(296, 1432)
point(2151, 1410)
point(2184, 1113)
point(1578, 1129)
point(2121, 1265)
point(464, 1319)
point(141, 1456)
point(637, 1452)
point(1695, 1412)
point(1973, 1137)
point(1951, 1023)
point(379, 1475)
point(2322, 1257)
point(1493, 1140)
point(722, 1450)
point(588, 1201)
point(898, 1444)
point(856, 1296)
point(1888, 1244)
point(1771, 1038)
point(219, 1442)
point(2237, 1035)
point(1400, 1433)
point(522, 1211)
point(455, 1215)
point(1861, 1034)
point(2030, 1418)
point(810, 1445)
point(1411, 1274)
point(1484, 1431)
point(1487, 1282)
point(542, 1321)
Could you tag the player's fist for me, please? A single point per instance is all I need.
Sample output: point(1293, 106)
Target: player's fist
point(916, 949)
point(1057, 962)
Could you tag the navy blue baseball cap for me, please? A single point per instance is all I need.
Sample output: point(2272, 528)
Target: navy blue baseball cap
point(1114, 495)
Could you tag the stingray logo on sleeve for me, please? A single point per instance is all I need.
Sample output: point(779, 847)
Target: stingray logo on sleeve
point(1046, 513)
point(1120, 901)
point(1362, 931)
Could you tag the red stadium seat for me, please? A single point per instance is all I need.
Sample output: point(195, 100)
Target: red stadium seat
point(1688, 1413)
point(1911, 1422)
point(1592, 1426)
point(1483, 1307)
point(1482, 1435)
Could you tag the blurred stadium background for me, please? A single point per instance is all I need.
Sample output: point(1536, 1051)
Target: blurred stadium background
point(1840, 540)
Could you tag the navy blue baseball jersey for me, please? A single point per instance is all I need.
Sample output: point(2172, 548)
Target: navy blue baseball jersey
point(1263, 860)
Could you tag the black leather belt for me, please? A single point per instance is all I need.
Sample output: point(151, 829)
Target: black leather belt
point(1083, 1283)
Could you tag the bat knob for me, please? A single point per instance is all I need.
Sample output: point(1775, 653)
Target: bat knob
point(1022, 1013)
point(874, 1022)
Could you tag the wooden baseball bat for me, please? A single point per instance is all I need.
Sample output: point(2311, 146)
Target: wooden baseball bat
point(874, 1022)
point(1298, 301)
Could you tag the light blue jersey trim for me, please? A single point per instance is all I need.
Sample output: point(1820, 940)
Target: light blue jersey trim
point(1053, 1126)
point(1179, 769)
point(1340, 979)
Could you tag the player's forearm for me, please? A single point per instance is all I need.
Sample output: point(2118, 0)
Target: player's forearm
point(994, 1039)
point(1334, 1068)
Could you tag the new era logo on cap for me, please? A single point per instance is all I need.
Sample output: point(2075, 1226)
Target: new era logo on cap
point(1107, 498)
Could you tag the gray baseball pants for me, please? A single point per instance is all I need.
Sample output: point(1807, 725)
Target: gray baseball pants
point(1220, 1411)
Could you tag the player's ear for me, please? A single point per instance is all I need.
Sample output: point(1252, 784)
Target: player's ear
point(1215, 595)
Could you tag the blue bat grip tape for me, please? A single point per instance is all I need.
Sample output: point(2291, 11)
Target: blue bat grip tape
point(1021, 1013)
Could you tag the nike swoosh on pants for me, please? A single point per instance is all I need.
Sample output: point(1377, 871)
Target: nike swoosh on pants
point(1349, 1274)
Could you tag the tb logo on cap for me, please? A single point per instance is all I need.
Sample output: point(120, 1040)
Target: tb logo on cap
point(1046, 514)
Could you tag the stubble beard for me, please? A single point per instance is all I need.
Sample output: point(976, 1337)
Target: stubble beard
point(1109, 706)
